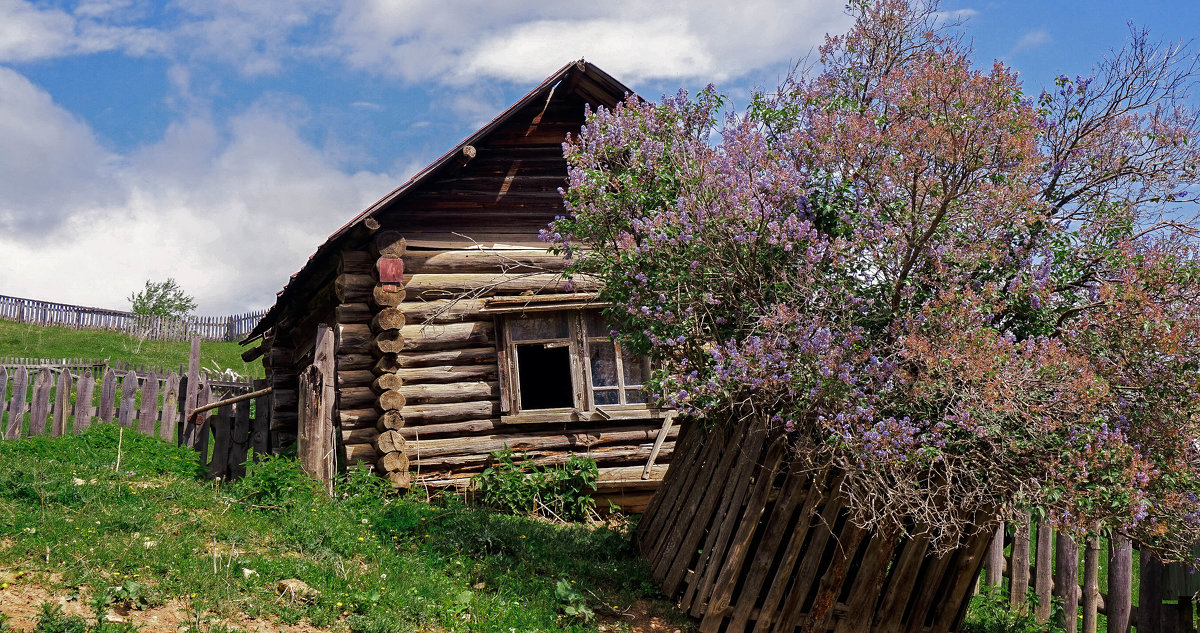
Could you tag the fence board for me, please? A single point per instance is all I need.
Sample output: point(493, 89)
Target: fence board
point(16, 406)
point(241, 440)
point(1091, 584)
point(83, 402)
point(148, 414)
point(222, 431)
point(1043, 581)
point(108, 396)
point(1066, 578)
point(1020, 562)
point(168, 426)
point(62, 402)
point(995, 559)
point(3, 398)
point(222, 328)
point(39, 407)
point(129, 388)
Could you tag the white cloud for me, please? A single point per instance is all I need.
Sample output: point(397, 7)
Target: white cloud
point(30, 33)
point(230, 210)
point(1031, 40)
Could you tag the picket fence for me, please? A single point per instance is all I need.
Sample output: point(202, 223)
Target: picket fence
point(1035, 560)
point(215, 328)
point(48, 399)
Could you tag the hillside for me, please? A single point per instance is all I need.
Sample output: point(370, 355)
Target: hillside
point(32, 341)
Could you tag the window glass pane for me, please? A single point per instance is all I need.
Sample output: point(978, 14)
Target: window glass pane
point(594, 323)
point(536, 327)
point(635, 396)
point(635, 367)
point(604, 364)
point(544, 377)
point(605, 397)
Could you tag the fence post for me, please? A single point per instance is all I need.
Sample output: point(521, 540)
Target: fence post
point(1091, 583)
point(1044, 570)
point(315, 444)
point(1150, 609)
point(1020, 564)
point(1066, 580)
point(190, 431)
point(995, 559)
point(1120, 582)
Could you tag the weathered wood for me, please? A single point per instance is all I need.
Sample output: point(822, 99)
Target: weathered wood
point(467, 356)
point(578, 440)
point(353, 313)
point(388, 244)
point(316, 431)
point(389, 421)
point(1066, 579)
point(1019, 594)
point(16, 406)
point(418, 312)
point(1043, 572)
point(357, 418)
point(355, 397)
point(201, 423)
point(452, 392)
point(388, 319)
point(361, 453)
point(355, 362)
point(1120, 582)
point(442, 374)
point(390, 441)
point(354, 377)
point(388, 342)
point(1091, 584)
point(1150, 617)
point(483, 261)
point(355, 262)
point(240, 446)
point(83, 402)
point(387, 296)
point(108, 396)
point(392, 462)
point(445, 286)
point(129, 389)
point(353, 338)
point(386, 382)
point(62, 403)
point(3, 397)
point(39, 405)
point(221, 425)
point(994, 566)
point(358, 436)
point(351, 288)
point(400, 480)
point(392, 401)
point(148, 415)
point(260, 435)
point(450, 335)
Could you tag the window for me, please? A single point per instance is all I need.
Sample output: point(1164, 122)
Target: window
point(562, 362)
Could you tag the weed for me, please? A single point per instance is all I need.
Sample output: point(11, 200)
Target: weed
point(561, 493)
point(276, 482)
point(990, 612)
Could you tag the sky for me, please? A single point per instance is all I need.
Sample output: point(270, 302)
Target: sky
point(219, 142)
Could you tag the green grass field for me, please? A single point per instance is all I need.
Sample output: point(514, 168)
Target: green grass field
point(32, 341)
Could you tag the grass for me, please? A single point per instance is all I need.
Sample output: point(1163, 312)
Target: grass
point(380, 563)
point(34, 341)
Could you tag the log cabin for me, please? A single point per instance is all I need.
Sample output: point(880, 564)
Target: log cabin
point(456, 335)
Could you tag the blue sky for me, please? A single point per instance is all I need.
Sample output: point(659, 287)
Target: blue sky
point(220, 141)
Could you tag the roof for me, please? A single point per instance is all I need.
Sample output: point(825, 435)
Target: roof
point(613, 91)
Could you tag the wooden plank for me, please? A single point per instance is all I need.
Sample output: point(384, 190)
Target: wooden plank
point(1120, 582)
point(316, 440)
point(1043, 572)
point(1091, 583)
point(148, 415)
point(62, 403)
point(1066, 580)
point(83, 402)
point(202, 427)
point(168, 427)
point(809, 563)
point(962, 575)
point(190, 431)
point(129, 389)
point(222, 431)
point(3, 394)
point(1150, 606)
point(1020, 563)
point(108, 396)
point(994, 566)
point(241, 440)
point(39, 406)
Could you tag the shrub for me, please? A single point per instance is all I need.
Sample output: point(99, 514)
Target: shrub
point(561, 492)
point(278, 482)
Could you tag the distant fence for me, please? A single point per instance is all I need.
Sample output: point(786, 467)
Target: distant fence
point(217, 328)
point(45, 397)
point(1032, 559)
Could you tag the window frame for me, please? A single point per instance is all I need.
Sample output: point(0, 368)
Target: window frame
point(580, 354)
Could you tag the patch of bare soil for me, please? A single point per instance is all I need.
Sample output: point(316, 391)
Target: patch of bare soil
point(21, 601)
point(643, 617)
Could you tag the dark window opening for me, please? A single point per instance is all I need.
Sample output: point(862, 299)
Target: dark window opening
point(545, 377)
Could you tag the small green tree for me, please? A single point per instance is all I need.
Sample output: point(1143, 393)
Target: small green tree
point(162, 298)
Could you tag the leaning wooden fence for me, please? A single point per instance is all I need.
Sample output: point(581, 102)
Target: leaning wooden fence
point(214, 328)
point(1035, 560)
point(49, 400)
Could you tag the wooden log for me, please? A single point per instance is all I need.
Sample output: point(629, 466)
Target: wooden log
point(16, 406)
point(452, 392)
point(400, 480)
point(353, 338)
point(83, 401)
point(260, 434)
point(361, 453)
point(387, 382)
point(355, 398)
point(393, 421)
point(1066, 578)
point(1019, 595)
point(449, 412)
point(466, 356)
point(358, 436)
point(1043, 572)
point(391, 401)
point(39, 405)
point(418, 312)
point(62, 403)
point(357, 418)
point(466, 464)
point(387, 296)
point(355, 262)
point(388, 342)
point(548, 440)
point(483, 261)
point(442, 374)
point(148, 415)
point(390, 441)
point(447, 286)
point(388, 244)
point(388, 319)
point(392, 463)
point(355, 361)
point(1091, 584)
point(355, 378)
point(451, 335)
point(351, 288)
point(994, 566)
point(353, 313)
point(278, 356)
point(1120, 582)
